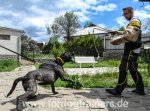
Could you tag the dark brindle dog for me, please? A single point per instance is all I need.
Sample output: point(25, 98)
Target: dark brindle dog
point(46, 74)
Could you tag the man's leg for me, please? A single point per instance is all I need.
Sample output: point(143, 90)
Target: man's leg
point(133, 68)
point(122, 81)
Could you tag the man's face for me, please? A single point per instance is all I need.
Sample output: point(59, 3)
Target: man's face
point(127, 14)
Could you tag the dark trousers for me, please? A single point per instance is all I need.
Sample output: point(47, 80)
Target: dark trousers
point(129, 62)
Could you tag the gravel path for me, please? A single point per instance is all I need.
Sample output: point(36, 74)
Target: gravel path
point(66, 100)
point(94, 99)
point(90, 71)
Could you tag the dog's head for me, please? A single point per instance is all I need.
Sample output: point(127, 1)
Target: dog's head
point(67, 56)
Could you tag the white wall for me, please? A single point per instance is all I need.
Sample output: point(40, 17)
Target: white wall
point(109, 46)
point(14, 43)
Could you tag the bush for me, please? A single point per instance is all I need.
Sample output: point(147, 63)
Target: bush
point(57, 51)
point(77, 84)
point(8, 65)
point(85, 45)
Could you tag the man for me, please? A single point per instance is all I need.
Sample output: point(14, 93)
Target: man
point(131, 52)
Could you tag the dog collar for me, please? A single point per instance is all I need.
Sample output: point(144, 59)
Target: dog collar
point(61, 60)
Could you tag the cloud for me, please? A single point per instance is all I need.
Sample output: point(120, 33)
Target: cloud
point(107, 7)
point(114, 28)
point(102, 25)
point(83, 7)
point(121, 21)
point(32, 15)
point(142, 14)
point(147, 7)
point(26, 16)
point(82, 16)
point(93, 2)
point(135, 0)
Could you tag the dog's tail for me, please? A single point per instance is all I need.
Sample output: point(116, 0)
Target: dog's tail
point(15, 84)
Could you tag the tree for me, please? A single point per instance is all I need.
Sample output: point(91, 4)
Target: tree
point(147, 27)
point(27, 44)
point(64, 25)
point(121, 28)
point(85, 45)
point(89, 24)
point(24, 43)
point(49, 46)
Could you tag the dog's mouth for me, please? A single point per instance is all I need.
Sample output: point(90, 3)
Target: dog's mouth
point(72, 57)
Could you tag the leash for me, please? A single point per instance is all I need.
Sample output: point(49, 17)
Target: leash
point(18, 54)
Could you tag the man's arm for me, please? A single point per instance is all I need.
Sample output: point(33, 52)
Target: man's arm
point(131, 33)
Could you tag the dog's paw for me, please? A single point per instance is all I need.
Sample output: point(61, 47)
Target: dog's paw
point(55, 93)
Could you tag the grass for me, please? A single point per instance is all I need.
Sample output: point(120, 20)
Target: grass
point(100, 80)
point(8, 65)
point(102, 63)
point(39, 56)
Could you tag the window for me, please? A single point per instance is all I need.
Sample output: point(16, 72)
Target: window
point(4, 37)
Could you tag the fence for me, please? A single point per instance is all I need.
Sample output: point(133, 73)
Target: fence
point(38, 56)
point(29, 55)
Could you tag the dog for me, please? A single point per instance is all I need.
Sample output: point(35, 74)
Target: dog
point(47, 73)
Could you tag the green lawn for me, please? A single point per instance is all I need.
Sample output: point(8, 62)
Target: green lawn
point(100, 81)
point(102, 63)
point(8, 65)
point(39, 56)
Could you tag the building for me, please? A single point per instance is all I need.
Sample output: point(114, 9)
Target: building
point(40, 46)
point(11, 39)
point(109, 50)
point(146, 45)
point(97, 32)
point(94, 30)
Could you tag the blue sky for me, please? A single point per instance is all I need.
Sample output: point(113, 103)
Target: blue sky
point(32, 15)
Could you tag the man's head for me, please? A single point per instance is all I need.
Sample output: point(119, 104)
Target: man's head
point(128, 13)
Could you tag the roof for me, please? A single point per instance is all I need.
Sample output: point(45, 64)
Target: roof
point(12, 29)
point(89, 30)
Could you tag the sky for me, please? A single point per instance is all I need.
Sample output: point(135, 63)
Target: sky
point(33, 15)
